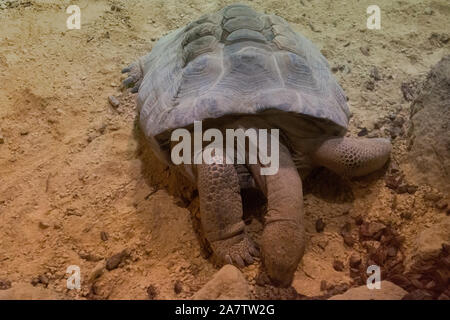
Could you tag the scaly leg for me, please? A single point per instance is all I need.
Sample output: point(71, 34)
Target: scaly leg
point(221, 213)
point(353, 157)
point(283, 238)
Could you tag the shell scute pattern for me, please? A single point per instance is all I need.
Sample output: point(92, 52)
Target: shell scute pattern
point(236, 61)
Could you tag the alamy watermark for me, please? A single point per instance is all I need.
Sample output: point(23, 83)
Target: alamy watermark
point(374, 280)
point(235, 140)
point(74, 279)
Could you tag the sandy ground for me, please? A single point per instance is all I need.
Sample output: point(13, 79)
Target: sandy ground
point(76, 187)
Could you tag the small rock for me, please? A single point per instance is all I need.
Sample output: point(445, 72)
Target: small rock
point(412, 189)
point(5, 284)
point(43, 279)
point(338, 265)
point(97, 271)
point(363, 132)
point(320, 225)
point(428, 11)
point(178, 287)
point(388, 291)
point(114, 261)
point(43, 225)
point(152, 292)
point(375, 74)
point(402, 188)
point(227, 284)
point(35, 281)
point(355, 260)
point(2, 140)
point(323, 285)
point(365, 50)
point(104, 236)
point(113, 101)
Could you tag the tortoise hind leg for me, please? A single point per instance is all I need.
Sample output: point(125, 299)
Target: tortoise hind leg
point(283, 237)
point(221, 213)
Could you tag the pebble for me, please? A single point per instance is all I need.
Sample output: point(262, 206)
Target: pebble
point(97, 271)
point(104, 236)
point(338, 265)
point(178, 287)
point(113, 101)
point(152, 292)
point(43, 279)
point(2, 140)
point(323, 285)
point(375, 74)
point(5, 284)
point(114, 261)
point(412, 189)
point(428, 11)
point(35, 281)
point(43, 225)
point(363, 132)
point(320, 225)
point(365, 50)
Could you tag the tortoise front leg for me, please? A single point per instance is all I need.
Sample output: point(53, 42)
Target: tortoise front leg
point(353, 157)
point(221, 213)
point(283, 238)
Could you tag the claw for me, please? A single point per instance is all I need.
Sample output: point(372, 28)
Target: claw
point(126, 70)
point(248, 258)
point(128, 81)
point(240, 263)
point(253, 251)
point(228, 259)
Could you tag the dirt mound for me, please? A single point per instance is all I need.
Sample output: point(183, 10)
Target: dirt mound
point(429, 143)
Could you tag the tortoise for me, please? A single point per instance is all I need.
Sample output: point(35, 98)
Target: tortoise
point(238, 68)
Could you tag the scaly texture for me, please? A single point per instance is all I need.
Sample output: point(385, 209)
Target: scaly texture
point(353, 157)
point(221, 213)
